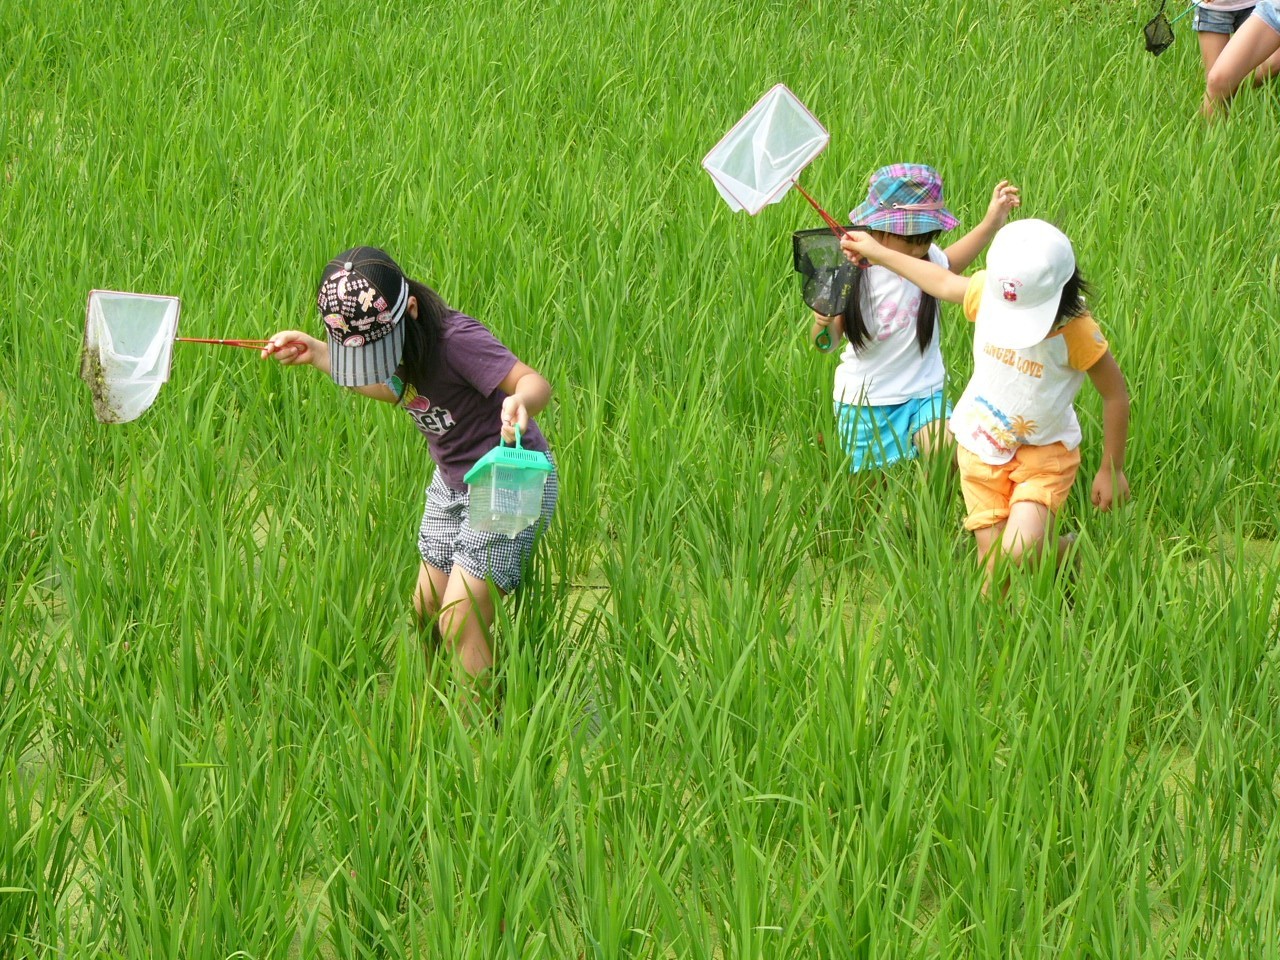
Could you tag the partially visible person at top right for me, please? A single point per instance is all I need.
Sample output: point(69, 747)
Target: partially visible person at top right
point(1237, 38)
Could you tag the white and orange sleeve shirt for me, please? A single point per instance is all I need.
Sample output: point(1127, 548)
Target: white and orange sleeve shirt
point(1025, 396)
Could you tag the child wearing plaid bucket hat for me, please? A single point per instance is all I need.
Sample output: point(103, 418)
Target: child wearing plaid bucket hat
point(888, 394)
point(394, 339)
point(1015, 426)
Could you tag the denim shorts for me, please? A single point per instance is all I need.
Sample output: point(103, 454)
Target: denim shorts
point(1208, 20)
point(1269, 12)
point(445, 536)
point(879, 436)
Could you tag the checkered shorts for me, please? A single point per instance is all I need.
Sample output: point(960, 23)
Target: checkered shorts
point(445, 536)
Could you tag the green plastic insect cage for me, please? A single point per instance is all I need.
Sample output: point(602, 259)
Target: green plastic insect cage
point(506, 487)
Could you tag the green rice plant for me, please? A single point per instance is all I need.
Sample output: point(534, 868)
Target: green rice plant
point(40, 848)
point(747, 704)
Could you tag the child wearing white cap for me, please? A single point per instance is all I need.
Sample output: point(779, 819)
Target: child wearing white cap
point(1015, 426)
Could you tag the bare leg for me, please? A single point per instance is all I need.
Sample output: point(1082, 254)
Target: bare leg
point(1019, 539)
point(1024, 533)
point(988, 538)
point(1249, 47)
point(935, 439)
point(427, 596)
point(1211, 47)
point(426, 605)
point(429, 591)
point(466, 614)
point(1269, 70)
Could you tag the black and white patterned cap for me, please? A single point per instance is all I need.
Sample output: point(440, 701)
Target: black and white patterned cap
point(362, 299)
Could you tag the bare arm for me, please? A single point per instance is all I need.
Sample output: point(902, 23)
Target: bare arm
point(378, 391)
point(1110, 486)
point(832, 326)
point(965, 250)
point(929, 277)
point(295, 348)
point(528, 395)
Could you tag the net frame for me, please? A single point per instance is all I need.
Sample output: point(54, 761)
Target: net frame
point(1158, 31)
point(827, 272)
point(123, 380)
point(784, 169)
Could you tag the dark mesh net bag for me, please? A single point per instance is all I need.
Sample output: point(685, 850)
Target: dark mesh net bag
point(1158, 32)
point(827, 273)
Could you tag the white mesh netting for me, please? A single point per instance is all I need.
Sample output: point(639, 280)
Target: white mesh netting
point(765, 151)
point(128, 346)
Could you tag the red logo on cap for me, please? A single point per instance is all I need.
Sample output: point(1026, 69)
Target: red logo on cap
point(1010, 291)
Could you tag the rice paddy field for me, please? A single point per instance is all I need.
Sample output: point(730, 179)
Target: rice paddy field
point(753, 707)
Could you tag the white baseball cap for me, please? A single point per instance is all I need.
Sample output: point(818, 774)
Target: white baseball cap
point(1029, 263)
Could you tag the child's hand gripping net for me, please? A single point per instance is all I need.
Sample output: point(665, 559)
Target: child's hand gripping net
point(827, 273)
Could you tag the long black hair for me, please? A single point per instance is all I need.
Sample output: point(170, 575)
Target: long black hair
point(855, 325)
point(422, 335)
point(1072, 302)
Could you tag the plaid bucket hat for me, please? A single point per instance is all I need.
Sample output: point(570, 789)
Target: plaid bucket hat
point(906, 199)
point(362, 299)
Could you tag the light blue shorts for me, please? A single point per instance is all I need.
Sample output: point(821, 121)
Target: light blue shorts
point(876, 437)
point(1208, 20)
point(1269, 11)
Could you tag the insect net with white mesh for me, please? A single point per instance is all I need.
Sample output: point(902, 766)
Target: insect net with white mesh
point(756, 161)
point(128, 347)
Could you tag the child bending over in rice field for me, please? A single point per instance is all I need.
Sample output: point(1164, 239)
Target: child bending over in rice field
point(1015, 426)
point(394, 339)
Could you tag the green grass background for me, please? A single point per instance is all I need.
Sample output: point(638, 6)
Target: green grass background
point(753, 708)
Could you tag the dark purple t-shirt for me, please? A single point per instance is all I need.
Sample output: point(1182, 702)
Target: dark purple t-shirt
point(461, 413)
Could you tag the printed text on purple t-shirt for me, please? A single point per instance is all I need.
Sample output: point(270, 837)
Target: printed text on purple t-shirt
point(460, 413)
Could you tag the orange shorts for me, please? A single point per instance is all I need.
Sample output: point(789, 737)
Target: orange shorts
point(1035, 474)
